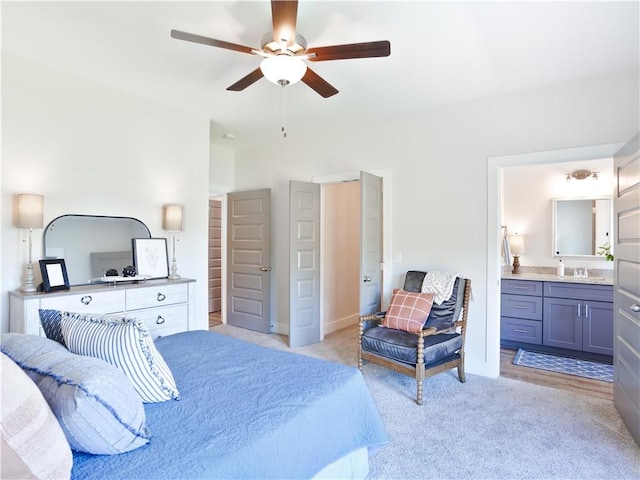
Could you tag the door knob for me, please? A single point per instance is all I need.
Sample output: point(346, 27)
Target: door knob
point(265, 269)
point(367, 279)
point(635, 307)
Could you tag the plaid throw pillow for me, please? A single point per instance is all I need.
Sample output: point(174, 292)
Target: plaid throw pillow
point(408, 311)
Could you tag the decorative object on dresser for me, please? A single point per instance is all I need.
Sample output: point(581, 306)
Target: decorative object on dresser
point(516, 243)
point(30, 212)
point(172, 222)
point(54, 275)
point(165, 306)
point(435, 346)
point(150, 257)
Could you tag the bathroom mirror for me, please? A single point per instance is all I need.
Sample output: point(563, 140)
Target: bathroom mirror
point(90, 245)
point(580, 226)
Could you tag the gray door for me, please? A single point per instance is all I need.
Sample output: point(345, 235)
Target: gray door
point(304, 263)
point(248, 259)
point(626, 302)
point(370, 243)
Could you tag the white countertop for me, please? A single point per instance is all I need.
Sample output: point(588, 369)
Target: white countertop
point(549, 277)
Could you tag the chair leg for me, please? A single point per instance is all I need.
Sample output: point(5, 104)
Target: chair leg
point(419, 393)
point(461, 373)
point(420, 370)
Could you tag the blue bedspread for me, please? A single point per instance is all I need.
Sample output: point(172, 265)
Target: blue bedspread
point(246, 412)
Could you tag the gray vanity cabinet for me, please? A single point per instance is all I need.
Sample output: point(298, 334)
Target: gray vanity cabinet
point(578, 317)
point(557, 317)
point(521, 311)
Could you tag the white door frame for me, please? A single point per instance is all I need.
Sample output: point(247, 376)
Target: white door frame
point(495, 166)
point(387, 229)
point(222, 196)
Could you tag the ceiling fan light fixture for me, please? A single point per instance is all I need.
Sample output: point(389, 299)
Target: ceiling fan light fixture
point(283, 69)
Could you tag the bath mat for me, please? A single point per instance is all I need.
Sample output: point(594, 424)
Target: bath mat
point(570, 366)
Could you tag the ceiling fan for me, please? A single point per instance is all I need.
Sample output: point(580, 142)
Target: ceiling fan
point(284, 51)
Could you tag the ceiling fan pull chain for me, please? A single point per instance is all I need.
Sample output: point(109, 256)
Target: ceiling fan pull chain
point(283, 112)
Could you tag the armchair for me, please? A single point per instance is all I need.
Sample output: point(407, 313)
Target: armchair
point(436, 348)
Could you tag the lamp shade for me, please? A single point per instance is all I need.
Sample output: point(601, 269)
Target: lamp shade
point(172, 218)
point(30, 210)
point(283, 69)
point(516, 242)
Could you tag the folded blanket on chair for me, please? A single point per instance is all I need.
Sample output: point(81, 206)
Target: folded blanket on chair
point(440, 284)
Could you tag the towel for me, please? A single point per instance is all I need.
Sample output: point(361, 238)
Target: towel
point(440, 284)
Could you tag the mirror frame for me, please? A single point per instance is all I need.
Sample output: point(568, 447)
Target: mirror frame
point(51, 224)
point(554, 221)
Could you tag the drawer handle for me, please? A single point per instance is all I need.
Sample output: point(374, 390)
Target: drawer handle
point(519, 330)
point(160, 320)
point(520, 287)
point(635, 307)
point(578, 309)
point(161, 297)
point(86, 299)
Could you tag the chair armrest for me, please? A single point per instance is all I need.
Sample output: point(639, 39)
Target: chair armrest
point(436, 331)
point(372, 320)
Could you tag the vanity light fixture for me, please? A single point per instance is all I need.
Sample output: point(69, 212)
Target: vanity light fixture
point(516, 243)
point(172, 222)
point(581, 175)
point(29, 215)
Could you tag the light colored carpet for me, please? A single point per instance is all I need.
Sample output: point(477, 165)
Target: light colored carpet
point(484, 428)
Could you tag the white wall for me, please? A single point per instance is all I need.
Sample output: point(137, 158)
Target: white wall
point(528, 191)
point(94, 150)
point(439, 163)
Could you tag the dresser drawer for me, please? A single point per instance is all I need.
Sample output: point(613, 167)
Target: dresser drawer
point(163, 321)
point(521, 306)
point(522, 287)
point(517, 330)
point(90, 302)
point(148, 297)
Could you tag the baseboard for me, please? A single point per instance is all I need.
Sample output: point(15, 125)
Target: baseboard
point(340, 323)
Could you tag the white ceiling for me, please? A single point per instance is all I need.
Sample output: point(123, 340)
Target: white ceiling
point(441, 53)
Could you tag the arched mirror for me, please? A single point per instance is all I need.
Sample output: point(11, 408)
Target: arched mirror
point(91, 245)
point(581, 226)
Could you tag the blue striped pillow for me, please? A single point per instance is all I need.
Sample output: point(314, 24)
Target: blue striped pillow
point(125, 343)
point(50, 321)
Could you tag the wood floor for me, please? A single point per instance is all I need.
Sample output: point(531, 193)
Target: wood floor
point(584, 386)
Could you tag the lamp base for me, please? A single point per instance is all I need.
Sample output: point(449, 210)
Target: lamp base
point(516, 264)
point(28, 286)
point(174, 276)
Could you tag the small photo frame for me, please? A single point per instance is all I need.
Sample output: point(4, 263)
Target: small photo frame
point(150, 257)
point(54, 275)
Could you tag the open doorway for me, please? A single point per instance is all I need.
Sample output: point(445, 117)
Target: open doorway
point(522, 203)
point(341, 254)
point(215, 262)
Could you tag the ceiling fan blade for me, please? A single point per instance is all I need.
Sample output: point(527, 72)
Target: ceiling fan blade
point(353, 50)
point(319, 84)
point(190, 37)
point(284, 15)
point(244, 82)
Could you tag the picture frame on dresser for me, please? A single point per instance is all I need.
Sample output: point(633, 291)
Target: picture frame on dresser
point(54, 275)
point(150, 257)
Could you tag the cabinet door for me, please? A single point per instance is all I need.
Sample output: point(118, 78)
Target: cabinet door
point(562, 323)
point(597, 327)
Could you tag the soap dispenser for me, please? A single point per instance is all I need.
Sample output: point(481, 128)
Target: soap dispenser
point(560, 269)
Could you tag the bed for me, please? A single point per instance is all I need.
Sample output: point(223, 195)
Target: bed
point(247, 411)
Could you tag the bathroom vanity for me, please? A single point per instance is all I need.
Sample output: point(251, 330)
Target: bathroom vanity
point(561, 315)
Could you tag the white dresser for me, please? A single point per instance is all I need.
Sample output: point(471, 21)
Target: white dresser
point(167, 306)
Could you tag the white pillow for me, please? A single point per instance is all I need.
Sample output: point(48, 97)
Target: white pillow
point(125, 343)
point(33, 444)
